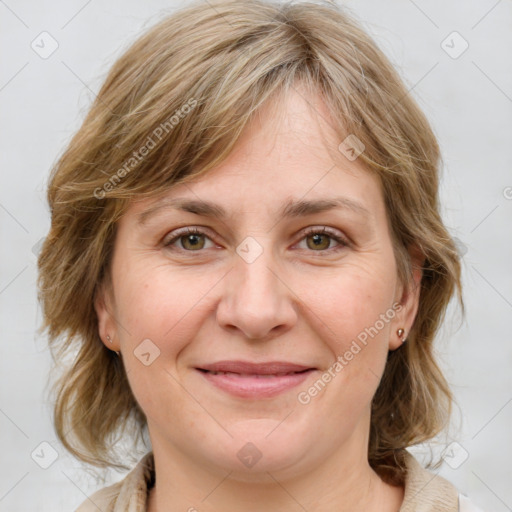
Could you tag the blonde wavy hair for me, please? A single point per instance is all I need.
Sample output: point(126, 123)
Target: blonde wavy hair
point(184, 91)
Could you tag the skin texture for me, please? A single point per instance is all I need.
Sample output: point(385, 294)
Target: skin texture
point(295, 302)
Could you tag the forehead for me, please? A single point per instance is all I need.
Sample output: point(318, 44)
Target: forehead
point(288, 151)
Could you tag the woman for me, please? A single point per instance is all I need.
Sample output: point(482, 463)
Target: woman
point(247, 262)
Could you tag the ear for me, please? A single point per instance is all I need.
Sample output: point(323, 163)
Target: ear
point(408, 298)
point(107, 326)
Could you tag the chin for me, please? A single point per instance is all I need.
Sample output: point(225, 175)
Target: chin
point(263, 446)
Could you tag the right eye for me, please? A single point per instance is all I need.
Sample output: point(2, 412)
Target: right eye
point(191, 240)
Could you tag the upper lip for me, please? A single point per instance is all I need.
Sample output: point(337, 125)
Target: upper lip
point(247, 368)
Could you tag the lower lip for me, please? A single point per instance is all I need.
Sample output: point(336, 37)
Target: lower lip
point(250, 386)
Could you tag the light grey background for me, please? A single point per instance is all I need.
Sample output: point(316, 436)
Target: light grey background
point(469, 101)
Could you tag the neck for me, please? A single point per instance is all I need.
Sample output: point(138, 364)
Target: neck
point(340, 484)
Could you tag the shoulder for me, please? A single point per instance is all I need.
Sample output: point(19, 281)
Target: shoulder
point(104, 499)
point(430, 492)
point(128, 494)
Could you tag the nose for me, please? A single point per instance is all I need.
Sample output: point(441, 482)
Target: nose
point(256, 299)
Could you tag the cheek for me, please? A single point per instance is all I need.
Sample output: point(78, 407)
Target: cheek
point(165, 306)
point(161, 304)
point(348, 302)
point(347, 309)
point(349, 312)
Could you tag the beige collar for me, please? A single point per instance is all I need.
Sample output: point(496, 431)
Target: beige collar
point(426, 491)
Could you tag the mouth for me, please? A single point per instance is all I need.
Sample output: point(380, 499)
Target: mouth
point(255, 380)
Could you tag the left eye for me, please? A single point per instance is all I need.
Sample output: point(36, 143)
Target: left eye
point(321, 239)
point(318, 240)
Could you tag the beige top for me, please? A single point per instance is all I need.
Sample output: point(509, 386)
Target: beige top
point(424, 491)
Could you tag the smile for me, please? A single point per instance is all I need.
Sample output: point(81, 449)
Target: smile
point(251, 380)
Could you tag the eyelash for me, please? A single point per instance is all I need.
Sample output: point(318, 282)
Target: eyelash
point(309, 231)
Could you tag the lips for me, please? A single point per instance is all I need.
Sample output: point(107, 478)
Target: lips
point(246, 368)
point(255, 380)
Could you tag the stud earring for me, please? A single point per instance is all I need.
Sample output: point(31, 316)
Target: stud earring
point(400, 333)
point(110, 339)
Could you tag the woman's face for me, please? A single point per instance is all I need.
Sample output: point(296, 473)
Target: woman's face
point(257, 343)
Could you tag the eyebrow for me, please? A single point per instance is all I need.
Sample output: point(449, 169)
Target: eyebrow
point(292, 209)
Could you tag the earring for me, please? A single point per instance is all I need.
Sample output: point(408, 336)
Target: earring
point(400, 333)
point(110, 339)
